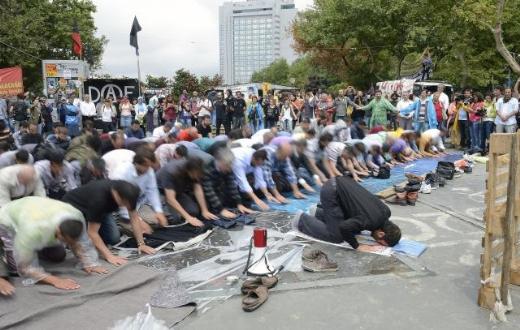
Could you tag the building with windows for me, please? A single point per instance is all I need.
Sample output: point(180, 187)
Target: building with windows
point(253, 34)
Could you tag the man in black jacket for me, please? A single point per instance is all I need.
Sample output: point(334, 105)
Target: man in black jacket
point(220, 112)
point(347, 209)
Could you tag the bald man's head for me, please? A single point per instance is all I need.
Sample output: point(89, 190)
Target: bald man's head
point(284, 151)
point(26, 175)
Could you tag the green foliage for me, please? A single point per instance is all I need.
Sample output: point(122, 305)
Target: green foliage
point(206, 83)
point(276, 73)
point(42, 28)
point(363, 42)
point(185, 80)
point(302, 73)
point(157, 82)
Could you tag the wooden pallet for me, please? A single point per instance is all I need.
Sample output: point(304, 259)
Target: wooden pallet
point(500, 262)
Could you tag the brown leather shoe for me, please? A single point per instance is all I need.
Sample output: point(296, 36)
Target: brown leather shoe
point(411, 197)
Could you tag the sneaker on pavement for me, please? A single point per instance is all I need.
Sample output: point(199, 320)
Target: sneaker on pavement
point(320, 264)
point(426, 188)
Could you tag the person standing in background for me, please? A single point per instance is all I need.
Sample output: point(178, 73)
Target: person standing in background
point(107, 112)
point(287, 116)
point(72, 117)
point(219, 106)
point(19, 110)
point(239, 109)
point(125, 109)
point(445, 101)
point(297, 104)
point(87, 109)
point(170, 112)
point(194, 108)
point(475, 118)
point(140, 111)
point(358, 115)
point(488, 123)
point(405, 121)
point(255, 115)
point(507, 108)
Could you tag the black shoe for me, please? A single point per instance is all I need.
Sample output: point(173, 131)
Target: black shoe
point(397, 201)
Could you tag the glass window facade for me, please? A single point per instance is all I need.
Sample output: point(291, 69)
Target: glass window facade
point(252, 45)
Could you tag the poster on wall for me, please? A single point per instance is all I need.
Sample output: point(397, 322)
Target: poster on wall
point(11, 81)
point(62, 78)
point(100, 89)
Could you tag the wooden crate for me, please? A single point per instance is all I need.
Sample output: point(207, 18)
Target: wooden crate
point(500, 260)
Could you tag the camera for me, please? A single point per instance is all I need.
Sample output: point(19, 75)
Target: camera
point(481, 112)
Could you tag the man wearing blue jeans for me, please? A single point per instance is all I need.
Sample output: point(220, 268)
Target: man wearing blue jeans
point(97, 200)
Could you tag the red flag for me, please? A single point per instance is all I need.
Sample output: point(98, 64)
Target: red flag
point(77, 47)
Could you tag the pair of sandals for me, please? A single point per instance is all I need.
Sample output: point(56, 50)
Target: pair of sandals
point(256, 291)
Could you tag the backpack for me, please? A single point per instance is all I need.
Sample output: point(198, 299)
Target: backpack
point(446, 170)
point(20, 111)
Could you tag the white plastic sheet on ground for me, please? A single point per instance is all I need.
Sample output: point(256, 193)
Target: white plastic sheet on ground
point(141, 321)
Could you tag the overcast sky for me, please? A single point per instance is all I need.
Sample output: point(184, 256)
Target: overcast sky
point(175, 34)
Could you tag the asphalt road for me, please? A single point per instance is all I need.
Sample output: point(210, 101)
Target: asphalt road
point(442, 296)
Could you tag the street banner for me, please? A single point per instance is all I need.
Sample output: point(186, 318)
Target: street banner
point(11, 81)
point(64, 77)
point(402, 87)
point(100, 89)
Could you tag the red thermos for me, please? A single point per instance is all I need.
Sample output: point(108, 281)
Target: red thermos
point(260, 237)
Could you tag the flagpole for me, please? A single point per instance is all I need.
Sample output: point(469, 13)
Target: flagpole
point(139, 75)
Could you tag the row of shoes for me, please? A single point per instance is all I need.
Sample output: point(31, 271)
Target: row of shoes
point(432, 181)
point(406, 195)
point(416, 184)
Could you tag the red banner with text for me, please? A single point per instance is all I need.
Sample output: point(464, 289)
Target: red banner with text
point(11, 81)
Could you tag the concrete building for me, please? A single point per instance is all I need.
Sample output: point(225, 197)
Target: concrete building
point(253, 34)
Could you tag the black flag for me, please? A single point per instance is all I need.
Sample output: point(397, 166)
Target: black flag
point(133, 35)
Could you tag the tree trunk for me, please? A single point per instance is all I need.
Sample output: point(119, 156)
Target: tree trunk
point(500, 46)
point(399, 67)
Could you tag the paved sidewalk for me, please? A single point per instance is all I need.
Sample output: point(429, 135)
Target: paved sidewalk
point(449, 221)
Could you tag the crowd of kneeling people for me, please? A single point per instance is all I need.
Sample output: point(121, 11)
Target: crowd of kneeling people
point(80, 193)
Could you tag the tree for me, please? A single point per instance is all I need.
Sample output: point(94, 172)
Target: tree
point(275, 73)
point(206, 83)
point(157, 82)
point(184, 80)
point(41, 29)
point(363, 42)
point(499, 40)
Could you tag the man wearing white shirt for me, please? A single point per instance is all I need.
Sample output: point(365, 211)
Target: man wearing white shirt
point(445, 101)
point(250, 161)
point(88, 109)
point(205, 107)
point(116, 157)
point(140, 173)
point(161, 131)
point(507, 108)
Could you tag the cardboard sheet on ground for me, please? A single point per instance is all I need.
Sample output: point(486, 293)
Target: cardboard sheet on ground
point(98, 304)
